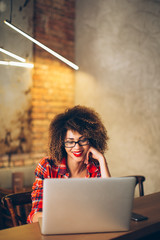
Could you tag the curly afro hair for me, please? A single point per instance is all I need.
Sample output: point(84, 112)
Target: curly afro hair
point(81, 119)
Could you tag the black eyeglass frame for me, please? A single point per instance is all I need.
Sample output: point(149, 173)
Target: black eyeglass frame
point(75, 142)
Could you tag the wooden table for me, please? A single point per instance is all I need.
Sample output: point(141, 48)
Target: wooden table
point(150, 229)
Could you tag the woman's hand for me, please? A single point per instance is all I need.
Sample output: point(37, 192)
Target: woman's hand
point(95, 154)
point(36, 216)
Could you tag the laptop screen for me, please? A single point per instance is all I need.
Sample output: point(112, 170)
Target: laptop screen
point(84, 205)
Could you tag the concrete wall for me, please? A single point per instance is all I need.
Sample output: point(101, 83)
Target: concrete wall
point(118, 52)
point(15, 82)
point(29, 100)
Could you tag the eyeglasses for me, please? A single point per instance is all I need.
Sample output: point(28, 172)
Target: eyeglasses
point(81, 142)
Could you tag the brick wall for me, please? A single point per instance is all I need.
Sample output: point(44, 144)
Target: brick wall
point(53, 81)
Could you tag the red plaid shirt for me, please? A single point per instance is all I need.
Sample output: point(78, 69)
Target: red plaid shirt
point(47, 169)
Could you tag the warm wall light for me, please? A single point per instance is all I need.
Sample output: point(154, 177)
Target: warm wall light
point(42, 46)
point(17, 64)
point(12, 55)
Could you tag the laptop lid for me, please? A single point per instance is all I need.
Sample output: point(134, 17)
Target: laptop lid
point(85, 205)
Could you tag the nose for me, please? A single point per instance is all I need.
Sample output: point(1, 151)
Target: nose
point(77, 145)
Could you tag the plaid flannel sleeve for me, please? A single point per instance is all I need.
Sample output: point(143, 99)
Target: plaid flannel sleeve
point(37, 193)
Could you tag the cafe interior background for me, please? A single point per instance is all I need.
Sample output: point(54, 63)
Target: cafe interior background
point(116, 45)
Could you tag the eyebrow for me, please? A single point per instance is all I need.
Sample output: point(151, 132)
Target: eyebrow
point(74, 138)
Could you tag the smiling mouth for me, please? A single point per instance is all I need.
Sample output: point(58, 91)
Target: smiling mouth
point(77, 154)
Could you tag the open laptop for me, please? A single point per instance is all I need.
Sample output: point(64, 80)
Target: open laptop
point(87, 205)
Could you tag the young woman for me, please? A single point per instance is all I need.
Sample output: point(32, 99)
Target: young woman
point(78, 140)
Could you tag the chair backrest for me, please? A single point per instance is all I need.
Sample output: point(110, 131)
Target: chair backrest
point(19, 206)
point(139, 182)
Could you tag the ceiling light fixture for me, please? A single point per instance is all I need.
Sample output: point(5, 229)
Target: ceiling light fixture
point(17, 64)
point(12, 55)
point(74, 66)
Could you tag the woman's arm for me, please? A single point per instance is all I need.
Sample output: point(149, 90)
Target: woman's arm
point(104, 168)
point(37, 196)
point(41, 172)
point(95, 154)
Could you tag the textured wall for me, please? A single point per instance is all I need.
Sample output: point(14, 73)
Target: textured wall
point(28, 102)
point(118, 52)
point(15, 82)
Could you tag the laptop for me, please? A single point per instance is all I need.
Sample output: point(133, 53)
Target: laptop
point(87, 205)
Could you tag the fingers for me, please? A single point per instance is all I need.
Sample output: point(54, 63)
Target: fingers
point(88, 156)
point(95, 154)
point(92, 154)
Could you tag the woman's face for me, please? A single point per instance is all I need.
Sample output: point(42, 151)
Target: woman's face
point(78, 151)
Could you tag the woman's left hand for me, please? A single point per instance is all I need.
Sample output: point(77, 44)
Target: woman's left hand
point(95, 154)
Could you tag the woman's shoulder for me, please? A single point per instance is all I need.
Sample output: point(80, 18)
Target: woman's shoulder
point(47, 161)
point(45, 167)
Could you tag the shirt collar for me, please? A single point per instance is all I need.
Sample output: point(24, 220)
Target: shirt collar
point(62, 168)
point(64, 171)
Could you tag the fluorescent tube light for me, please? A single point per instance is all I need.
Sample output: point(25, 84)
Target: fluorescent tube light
point(12, 55)
point(42, 46)
point(17, 64)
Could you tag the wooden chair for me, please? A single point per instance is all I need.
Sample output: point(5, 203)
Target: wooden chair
point(5, 219)
point(19, 206)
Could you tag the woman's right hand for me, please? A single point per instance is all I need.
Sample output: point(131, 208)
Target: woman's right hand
point(36, 216)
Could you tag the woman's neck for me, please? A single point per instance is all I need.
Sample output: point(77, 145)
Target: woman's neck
point(77, 169)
